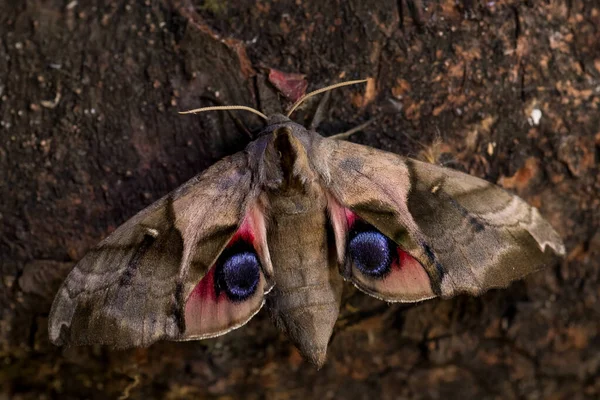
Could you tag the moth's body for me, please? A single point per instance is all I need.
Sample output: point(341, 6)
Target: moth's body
point(307, 293)
point(285, 222)
point(308, 288)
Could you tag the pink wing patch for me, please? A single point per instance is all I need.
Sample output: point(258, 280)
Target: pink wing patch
point(404, 279)
point(209, 311)
point(406, 282)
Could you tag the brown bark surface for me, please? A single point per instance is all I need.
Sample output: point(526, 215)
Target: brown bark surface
point(89, 135)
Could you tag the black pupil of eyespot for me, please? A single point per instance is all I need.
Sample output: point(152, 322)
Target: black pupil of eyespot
point(238, 275)
point(371, 253)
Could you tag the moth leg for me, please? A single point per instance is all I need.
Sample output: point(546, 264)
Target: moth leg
point(320, 112)
point(267, 96)
point(348, 133)
point(320, 116)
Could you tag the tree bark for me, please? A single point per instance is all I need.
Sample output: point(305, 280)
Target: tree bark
point(90, 134)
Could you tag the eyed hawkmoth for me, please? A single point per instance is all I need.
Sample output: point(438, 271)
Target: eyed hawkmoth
point(285, 222)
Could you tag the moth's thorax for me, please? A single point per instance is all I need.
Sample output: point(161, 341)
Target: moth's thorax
point(285, 162)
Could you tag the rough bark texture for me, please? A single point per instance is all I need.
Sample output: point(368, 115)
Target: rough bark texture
point(89, 135)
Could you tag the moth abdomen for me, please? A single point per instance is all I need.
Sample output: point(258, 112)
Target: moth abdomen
point(306, 298)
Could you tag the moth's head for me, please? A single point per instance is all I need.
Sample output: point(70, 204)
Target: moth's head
point(279, 125)
point(277, 119)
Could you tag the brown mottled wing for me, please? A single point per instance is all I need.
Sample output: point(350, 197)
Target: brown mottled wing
point(130, 290)
point(468, 234)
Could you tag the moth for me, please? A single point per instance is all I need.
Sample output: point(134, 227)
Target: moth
point(284, 223)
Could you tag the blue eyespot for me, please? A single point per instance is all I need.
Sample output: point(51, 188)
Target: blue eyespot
point(238, 275)
point(371, 253)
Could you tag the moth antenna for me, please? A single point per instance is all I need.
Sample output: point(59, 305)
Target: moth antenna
point(325, 89)
point(347, 134)
point(225, 108)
